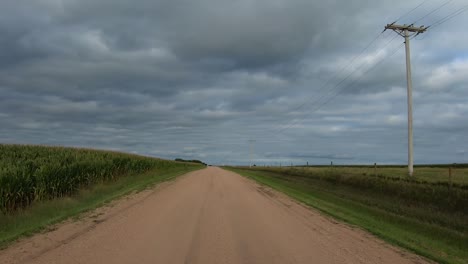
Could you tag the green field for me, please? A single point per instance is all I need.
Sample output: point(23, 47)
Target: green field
point(430, 173)
point(40, 185)
point(426, 213)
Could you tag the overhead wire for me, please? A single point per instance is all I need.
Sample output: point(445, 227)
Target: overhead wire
point(334, 77)
point(351, 62)
point(360, 54)
point(337, 92)
point(323, 97)
point(433, 11)
point(339, 72)
point(445, 19)
point(440, 22)
point(409, 12)
point(449, 16)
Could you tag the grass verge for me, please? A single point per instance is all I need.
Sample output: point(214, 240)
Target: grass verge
point(426, 238)
point(45, 213)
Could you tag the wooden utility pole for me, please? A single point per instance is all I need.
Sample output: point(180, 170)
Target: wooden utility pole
point(404, 31)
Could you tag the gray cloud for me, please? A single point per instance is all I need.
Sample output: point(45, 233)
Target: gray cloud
point(199, 79)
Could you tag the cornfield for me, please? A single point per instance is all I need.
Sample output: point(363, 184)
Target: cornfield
point(34, 173)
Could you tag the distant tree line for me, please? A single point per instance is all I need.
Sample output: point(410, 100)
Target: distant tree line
point(193, 161)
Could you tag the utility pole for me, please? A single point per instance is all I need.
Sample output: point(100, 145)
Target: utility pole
point(404, 31)
point(251, 141)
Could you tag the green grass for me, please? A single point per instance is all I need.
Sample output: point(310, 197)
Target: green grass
point(42, 214)
point(429, 174)
point(421, 225)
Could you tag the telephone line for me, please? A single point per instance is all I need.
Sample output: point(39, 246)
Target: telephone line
point(334, 78)
point(360, 54)
point(402, 30)
point(337, 85)
point(407, 13)
point(445, 19)
point(432, 12)
point(337, 92)
point(449, 16)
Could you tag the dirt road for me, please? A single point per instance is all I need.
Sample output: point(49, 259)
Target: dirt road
point(207, 216)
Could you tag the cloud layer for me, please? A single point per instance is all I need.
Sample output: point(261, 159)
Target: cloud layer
point(199, 79)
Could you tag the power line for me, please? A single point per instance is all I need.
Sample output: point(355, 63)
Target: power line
point(349, 64)
point(348, 76)
point(338, 72)
point(337, 92)
point(407, 13)
point(360, 54)
point(342, 89)
point(449, 16)
point(376, 38)
point(279, 128)
point(445, 19)
point(433, 11)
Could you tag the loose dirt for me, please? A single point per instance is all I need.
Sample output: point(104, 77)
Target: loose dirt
point(206, 216)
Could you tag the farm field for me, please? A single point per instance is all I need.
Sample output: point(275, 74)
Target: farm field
point(426, 214)
point(207, 216)
point(42, 185)
point(428, 173)
point(213, 208)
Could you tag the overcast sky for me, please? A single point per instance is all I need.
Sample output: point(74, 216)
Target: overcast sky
point(199, 79)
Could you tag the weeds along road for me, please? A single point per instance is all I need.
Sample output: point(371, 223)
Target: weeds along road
point(207, 216)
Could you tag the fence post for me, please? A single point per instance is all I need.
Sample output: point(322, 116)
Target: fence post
point(375, 169)
point(450, 178)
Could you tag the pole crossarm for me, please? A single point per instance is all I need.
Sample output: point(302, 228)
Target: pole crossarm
point(402, 28)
